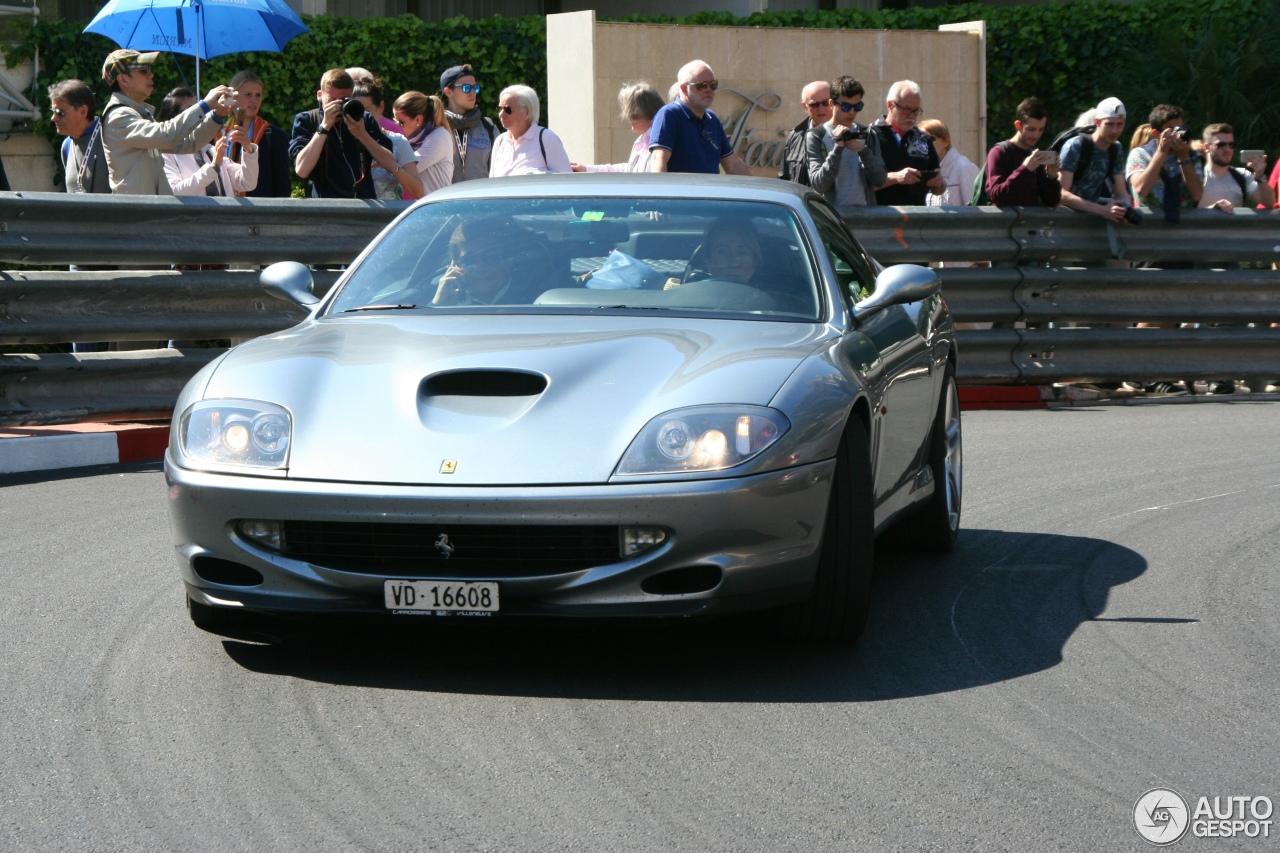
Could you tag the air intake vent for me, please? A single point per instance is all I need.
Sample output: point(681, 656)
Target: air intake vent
point(451, 550)
point(484, 383)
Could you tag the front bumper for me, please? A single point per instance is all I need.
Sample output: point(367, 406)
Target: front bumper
point(762, 532)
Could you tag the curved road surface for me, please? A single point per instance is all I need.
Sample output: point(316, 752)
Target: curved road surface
point(1108, 625)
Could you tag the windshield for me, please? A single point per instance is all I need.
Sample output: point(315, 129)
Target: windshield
point(684, 256)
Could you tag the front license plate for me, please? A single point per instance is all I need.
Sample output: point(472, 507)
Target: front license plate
point(441, 596)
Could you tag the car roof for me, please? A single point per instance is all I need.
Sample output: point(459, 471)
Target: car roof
point(653, 184)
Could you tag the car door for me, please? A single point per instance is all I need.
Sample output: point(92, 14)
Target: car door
point(904, 385)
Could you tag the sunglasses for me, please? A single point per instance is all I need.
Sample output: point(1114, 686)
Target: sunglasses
point(141, 69)
point(845, 107)
point(506, 110)
point(1223, 144)
point(816, 105)
point(704, 86)
point(706, 134)
point(58, 113)
point(468, 88)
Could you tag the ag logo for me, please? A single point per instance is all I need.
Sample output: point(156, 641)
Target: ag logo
point(1161, 816)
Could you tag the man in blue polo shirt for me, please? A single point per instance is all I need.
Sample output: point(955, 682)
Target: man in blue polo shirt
point(686, 136)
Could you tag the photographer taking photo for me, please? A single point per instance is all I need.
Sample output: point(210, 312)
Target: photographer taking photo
point(844, 159)
point(1162, 173)
point(334, 147)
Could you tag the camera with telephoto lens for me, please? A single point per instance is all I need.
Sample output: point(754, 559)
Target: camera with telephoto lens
point(1183, 134)
point(1132, 215)
point(352, 108)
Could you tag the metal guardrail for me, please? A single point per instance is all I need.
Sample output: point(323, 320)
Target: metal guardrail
point(1032, 280)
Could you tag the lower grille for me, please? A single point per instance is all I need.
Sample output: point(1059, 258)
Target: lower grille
point(478, 551)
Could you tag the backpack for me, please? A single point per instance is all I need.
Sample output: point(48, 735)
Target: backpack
point(1087, 148)
point(979, 197)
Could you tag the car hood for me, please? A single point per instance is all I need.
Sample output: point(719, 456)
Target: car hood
point(366, 408)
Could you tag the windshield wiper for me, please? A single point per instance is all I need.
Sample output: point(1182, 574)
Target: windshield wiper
point(379, 308)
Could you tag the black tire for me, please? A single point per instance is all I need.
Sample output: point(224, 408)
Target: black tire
point(836, 611)
point(935, 525)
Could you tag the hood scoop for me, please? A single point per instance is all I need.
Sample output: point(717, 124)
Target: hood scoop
point(466, 401)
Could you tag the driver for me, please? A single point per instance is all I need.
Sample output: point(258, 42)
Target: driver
point(491, 262)
point(731, 250)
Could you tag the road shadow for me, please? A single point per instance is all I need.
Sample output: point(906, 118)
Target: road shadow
point(1000, 606)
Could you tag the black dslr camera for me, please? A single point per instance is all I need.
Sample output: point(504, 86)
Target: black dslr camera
point(1132, 215)
point(352, 108)
point(848, 134)
point(1183, 134)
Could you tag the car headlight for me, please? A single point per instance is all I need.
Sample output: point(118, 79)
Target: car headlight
point(704, 438)
point(236, 432)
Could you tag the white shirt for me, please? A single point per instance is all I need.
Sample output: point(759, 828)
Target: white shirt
point(385, 183)
point(435, 160)
point(1225, 187)
point(524, 155)
point(189, 177)
point(638, 162)
point(959, 173)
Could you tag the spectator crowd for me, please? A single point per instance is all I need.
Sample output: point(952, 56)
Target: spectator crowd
point(347, 146)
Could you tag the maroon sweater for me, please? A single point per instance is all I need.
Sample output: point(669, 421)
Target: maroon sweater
point(1009, 184)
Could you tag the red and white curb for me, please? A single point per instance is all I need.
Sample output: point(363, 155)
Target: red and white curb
point(47, 448)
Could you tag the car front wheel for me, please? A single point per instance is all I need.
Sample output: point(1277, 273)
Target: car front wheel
point(836, 610)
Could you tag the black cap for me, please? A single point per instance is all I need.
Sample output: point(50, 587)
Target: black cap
point(448, 78)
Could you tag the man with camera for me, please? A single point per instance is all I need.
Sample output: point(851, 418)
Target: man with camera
point(843, 158)
point(333, 147)
point(1092, 175)
point(908, 153)
point(1162, 174)
point(133, 141)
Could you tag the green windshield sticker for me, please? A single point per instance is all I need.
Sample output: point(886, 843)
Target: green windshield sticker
point(593, 215)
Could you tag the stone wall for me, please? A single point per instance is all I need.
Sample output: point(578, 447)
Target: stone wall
point(761, 72)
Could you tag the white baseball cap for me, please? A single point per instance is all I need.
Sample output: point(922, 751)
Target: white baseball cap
point(1110, 108)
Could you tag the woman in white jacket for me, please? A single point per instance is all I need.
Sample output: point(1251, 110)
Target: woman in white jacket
point(209, 171)
point(427, 128)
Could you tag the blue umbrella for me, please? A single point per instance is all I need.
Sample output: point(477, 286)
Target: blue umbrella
point(200, 28)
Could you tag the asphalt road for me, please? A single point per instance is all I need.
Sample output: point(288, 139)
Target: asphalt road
point(1107, 625)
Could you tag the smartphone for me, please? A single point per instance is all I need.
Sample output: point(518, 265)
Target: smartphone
point(1248, 154)
point(237, 116)
point(1051, 156)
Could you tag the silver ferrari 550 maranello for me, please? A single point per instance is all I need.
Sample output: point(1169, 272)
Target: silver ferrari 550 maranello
point(577, 395)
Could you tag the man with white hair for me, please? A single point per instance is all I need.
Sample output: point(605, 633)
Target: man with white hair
point(815, 100)
point(907, 151)
point(686, 135)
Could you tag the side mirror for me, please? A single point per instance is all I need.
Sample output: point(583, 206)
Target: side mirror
point(291, 281)
point(898, 285)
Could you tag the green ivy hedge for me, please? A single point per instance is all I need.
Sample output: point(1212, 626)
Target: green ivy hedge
point(1218, 58)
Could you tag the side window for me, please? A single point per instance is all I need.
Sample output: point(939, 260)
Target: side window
point(853, 271)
